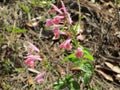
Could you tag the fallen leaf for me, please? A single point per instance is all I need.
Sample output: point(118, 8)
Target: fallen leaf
point(34, 22)
point(60, 70)
point(112, 67)
point(108, 77)
point(33, 70)
point(117, 76)
point(30, 80)
point(76, 69)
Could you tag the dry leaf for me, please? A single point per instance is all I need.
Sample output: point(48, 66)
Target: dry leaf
point(30, 80)
point(108, 77)
point(60, 70)
point(76, 69)
point(112, 67)
point(33, 70)
point(117, 76)
point(34, 22)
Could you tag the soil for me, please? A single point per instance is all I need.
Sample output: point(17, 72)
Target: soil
point(100, 22)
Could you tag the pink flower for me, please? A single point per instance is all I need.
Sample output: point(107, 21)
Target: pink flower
point(32, 48)
point(30, 60)
point(79, 53)
point(57, 19)
point(66, 45)
point(64, 11)
point(56, 9)
point(57, 33)
point(36, 57)
point(63, 7)
point(69, 18)
point(39, 78)
point(49, 22)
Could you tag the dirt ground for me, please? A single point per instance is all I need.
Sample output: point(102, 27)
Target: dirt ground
point(100, 22)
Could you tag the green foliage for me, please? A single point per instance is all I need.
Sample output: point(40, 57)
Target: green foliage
point(25, 8)
point(87, 67)
point(2, 38)
point(86, 78)
point(7, 66)
point(85, 64)
point(43, 3)
point(87, 54)
point(15, 30)
point(88, 70)
point(69, 57)
point(19, 70)
point(69, 83)
point(40, 3)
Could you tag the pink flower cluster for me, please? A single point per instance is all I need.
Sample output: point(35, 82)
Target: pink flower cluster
point(63, 15)
point(31, 59)
point(55, 22)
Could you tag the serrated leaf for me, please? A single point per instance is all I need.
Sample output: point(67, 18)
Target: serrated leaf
point(87, 67)
point(87, 77)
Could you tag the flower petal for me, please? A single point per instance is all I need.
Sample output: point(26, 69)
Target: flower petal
point(35, 57)
point(30, 62)
point(57, 19)
point(49, 22)
point(39, 78)
point(66, 45)
point(69, 19)
point(56, 9)
point(57, 32)
point(79, 53)
point(63, 7)
point(32, 48)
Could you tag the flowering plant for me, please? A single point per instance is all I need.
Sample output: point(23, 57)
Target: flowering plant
point(81, 57)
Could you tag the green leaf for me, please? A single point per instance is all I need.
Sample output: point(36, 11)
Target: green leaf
point(18, 30)
point(87, 77)
point(87, 54)
point(69, 79)
point(76, 61)
point(69, 82)
point(71, 56)
point(25, 8)
point(19, 70)
point(15, 30)
point(87, 67)
point(59, 85)
point(41, 3)
point(74, 86)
